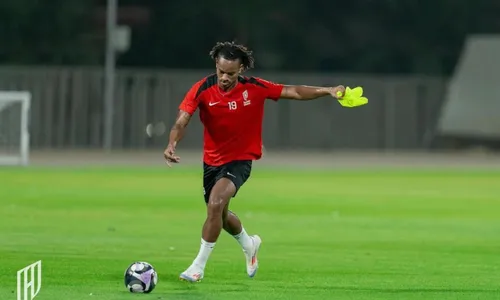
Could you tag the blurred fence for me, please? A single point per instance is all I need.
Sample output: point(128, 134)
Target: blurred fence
point(68, 111)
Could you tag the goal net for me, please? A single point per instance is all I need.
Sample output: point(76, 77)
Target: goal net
point(14, 132)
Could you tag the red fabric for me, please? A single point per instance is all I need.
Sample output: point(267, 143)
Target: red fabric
point(232, 120)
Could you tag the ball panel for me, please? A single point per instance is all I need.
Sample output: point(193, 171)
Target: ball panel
point(136, 286)
point(140, 277)
point(152, 281)
point(140, 267)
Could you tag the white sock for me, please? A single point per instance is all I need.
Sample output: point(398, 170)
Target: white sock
point(244, 239)
point(205, 250)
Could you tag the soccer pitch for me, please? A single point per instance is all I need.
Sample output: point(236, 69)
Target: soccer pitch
point(412, 234)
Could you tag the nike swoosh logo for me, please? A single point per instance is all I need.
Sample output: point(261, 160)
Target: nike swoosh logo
point(212, 104)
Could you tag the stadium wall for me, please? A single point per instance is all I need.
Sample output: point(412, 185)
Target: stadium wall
point(67, 110)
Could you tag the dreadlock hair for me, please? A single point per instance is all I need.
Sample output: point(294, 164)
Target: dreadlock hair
point(233, 51)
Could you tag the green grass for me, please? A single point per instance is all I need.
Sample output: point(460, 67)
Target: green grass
point(326, 235)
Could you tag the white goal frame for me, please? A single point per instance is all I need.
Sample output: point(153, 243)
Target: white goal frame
point(23, 97)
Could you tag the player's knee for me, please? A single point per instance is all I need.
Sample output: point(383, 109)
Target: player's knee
point(216, 205)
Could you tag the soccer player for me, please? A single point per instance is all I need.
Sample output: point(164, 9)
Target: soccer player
point(231, 108)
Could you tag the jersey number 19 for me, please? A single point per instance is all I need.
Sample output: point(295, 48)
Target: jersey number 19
point(232, 105)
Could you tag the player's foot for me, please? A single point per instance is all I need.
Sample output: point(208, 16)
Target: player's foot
point(251, 257)
point(192, 274)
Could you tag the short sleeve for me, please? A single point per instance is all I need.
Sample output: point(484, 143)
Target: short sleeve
point(192, 99)
point(272, 90)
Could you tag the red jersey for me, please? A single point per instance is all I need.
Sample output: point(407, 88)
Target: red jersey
point(232, 120)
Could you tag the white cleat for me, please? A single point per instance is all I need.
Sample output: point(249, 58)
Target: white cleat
point(251, 258)
point(192, 274)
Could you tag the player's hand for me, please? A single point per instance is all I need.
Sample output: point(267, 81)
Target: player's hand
point(353, 97)
point(170, 156)
point(338, 91)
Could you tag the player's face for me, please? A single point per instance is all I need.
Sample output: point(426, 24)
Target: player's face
point(228, 72)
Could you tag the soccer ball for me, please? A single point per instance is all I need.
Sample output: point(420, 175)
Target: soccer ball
point(140, 277)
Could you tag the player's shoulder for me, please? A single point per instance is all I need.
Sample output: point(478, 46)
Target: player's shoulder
point(256, 82)
point(207, 81)
point(204, 84)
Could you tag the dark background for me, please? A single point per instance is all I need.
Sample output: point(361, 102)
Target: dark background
point(368, 36)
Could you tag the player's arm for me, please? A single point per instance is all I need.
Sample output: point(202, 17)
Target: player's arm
point(176, 134)
point(277, 91)
point(186, 110)
point(177, 131)
point(304, 92)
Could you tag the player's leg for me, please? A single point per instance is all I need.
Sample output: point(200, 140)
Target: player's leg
point(231, 223)
point(249, 244)
point(239, 172)
point(196, 271)
point(219, 198)
point(221, 193)
point(220, 184)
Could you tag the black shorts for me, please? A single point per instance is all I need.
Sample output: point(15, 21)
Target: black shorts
point(237, 171)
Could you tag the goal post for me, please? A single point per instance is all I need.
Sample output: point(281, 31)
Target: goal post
point(14, 127)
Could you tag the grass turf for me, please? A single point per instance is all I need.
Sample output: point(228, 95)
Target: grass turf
point(326, 235)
